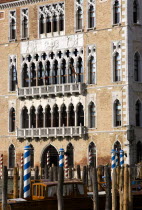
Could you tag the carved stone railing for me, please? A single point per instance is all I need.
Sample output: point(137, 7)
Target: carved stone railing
point(77, 131)
point(62, 89)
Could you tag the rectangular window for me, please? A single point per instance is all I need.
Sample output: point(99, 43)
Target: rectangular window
point(12, 25)
point(24, 23)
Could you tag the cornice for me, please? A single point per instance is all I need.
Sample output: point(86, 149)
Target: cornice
point(19, 3)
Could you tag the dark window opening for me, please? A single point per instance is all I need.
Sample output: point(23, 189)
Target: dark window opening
point(63, 72)
point(138, 113)
point(33, 117)
point(55, 116)
point(79, 70)
point(33, 75)
point(61, 22)
point(40, 74)
point(63, 116)
point(40, 117)
point(116, 8)
point(48, 117)
point(92, 115)
point(47, 74)
point(48, 24)
point(79, 19)
point(70, 155)
point(135, 11)
point(80, 115)
point(25, 118)
point(71, 115)
point(12, 120)
point(25, 76)
point(11, 156)
point(117, 110)
point(91, 18)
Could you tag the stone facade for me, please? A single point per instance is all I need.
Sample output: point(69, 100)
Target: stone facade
point(103, 41)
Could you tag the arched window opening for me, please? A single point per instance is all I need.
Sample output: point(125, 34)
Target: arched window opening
point(138, 113)
point(48, 24)
point(25, 76)
point(47, 73)
point(12, 120)
point(117, 148)
point(92, 65)
point(116, 12)
point(11, 156)
point(92, 115)
point(55, 23)
point(80, 115)
point(41, 24)
point(25, 118)
point(92, 153)
point(63, 72)
point(55, 116)
point(71, 115)
point(47, 116)
point(135, 11)
point(33, 117)
point(137, 67)
point(25, 27)
point(91, 17)
point(33, 75)
point(13, 29)
point(61, 22)
point(117, 67)
point(117, 113)
point(71, 71)
point(79, 70)
point(79, 19)
point(139, 152)
point(40, 74)
point(55, 73)
point(40, 117)
point(70, 155)
point(63, 116)
point(32, 155)
point(13, 78)
point(53, 154)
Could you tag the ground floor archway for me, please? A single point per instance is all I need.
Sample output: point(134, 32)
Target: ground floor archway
point(53, 154)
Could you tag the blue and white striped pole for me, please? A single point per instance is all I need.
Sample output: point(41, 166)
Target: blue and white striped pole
point(121, 158)
point(27, 171)
point(61, 157)
point(113, 160)
point(116, 158)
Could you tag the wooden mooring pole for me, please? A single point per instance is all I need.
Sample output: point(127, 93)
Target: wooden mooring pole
point(21, 183)
point(15, 183)
point(36, 173)
point(114, 195)
point(121, 188)
point(78, 172)
point(4, 187)
point(95, 188)
point(108, 204)
point(126, 182)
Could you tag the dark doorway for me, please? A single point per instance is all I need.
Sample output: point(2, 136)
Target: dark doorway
point(53, 153)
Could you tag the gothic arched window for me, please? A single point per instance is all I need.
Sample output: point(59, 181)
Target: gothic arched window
point(63, 115)
point(136, 66)
point(79, 19)
point(47, 116)
point(71, 71)
point(40, 74)
point(55, 23)
point(25, 118)
point(48, 24)
point(92, 115)
point(79, 70)
point(91, 17)
point(139, 152)
point(55, 72)
point(117, 113)
point(40, 117)
point(135, 11)
point(70, 155)
point(55, 116)
point(25, 76)
point(61, 22)
point(138, 113)
point(80, 115)
point(63, 72)
point(13, 78)
point(117, 67)
point(12, 120)
point(71, 115)
point(116, 12)
point(92, 70)
point(11, 156)
point(33, 117)
point(41, 24)
point(33, 74)
point(47, 73)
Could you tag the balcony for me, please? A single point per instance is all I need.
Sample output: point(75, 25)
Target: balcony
point(52, 90)
point(77, 131)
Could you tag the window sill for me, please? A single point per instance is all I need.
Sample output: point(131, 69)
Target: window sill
point(12, 40)
point(24, 38)
point(79, 30)
point(116, 24)
point(117, 81)
point(117, 127)
point(91, 29)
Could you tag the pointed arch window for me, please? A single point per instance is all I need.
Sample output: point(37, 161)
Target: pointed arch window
point(137, 66)
point(139, 152)
point(33, 75)
point(24, 23)
point(12, 25)
point(12, 120)
point(33, 117)
point(138, 113)
point(117, 113)
point(55, 23)
point(79, 19)
point(71, 115)
point(47, 116)
point(48, 73)
point(63, 116)
point(117, 67)
point(40, 117)
point(55, 116)
point(13, 78)
point(55, 77)
point(25, 118)
point(25, 76)
point(135, 11)
point(116, 12)
point(61, 22)
point(70, 154)
point(71, 71)
point(92, 153)
point(48, 24)
point(63, 72)
point(11, 156)
point(40, 74)
point(92, 70)
point(92, 115)
point(91, 17)
point(80, 115)
point(79, 70)
point(41, 24)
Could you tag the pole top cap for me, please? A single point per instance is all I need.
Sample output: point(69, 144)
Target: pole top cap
point(27, 148)
point(61, 150)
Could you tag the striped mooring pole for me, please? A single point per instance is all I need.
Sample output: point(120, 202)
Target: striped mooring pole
point(121, 158)
point(90, 158)
point(116, 158)
point(27, 171)
point(61, 157)
point(22, 160)
point(48, 159)
point(66, 166)
point(113, 163)
point(1, 164)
